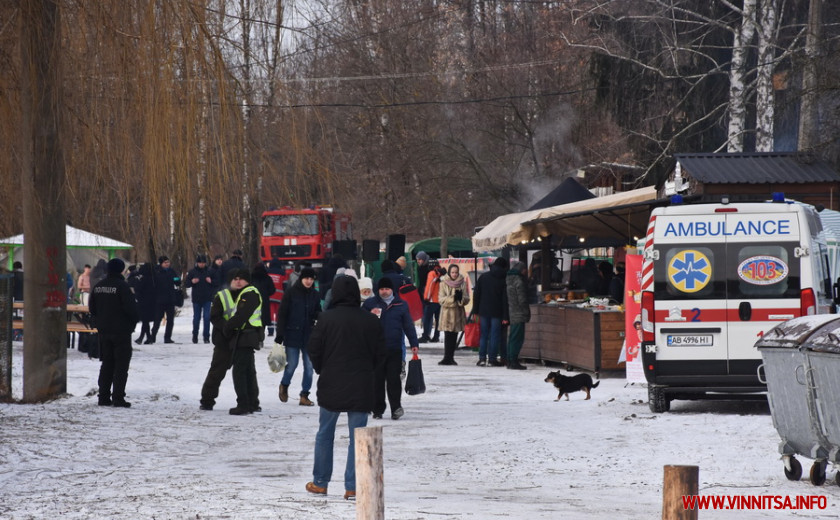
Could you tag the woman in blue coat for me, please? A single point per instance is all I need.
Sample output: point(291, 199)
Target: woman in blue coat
point(298, 312)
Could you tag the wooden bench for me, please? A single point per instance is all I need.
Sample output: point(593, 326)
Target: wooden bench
point(73, 325)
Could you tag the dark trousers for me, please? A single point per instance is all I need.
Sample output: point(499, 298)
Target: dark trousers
point(115, 354)
point(245, 379)
point(388, 379)
point(431, 314)
point(145, 331)
point(169, 312)
point(219, 366)
point(516, 339)
point(450, 339)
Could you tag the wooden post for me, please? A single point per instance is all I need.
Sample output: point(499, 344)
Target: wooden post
point(370, 488)
point(679, 481)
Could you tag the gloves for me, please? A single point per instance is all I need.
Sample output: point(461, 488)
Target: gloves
point(278, 339)
point(458, 295)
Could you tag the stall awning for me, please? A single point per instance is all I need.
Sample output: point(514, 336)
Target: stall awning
point(495, 234)
point(77, 239)
point(620, 216)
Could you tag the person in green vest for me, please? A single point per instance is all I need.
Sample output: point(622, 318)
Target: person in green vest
point(221, 310)
point(245, 334)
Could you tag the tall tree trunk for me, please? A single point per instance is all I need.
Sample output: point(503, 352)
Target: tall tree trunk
point(45, 291)
point(765, 102)
point(808, 110)
point(737, 78)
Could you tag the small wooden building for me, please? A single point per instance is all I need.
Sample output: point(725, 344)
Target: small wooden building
point(754, 176)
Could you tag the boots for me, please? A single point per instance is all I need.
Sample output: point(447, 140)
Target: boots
point(195, 337)
point(436, 337)
point(284, 393)
point(304, 400)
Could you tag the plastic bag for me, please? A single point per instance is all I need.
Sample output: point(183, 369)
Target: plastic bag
point(277, 358)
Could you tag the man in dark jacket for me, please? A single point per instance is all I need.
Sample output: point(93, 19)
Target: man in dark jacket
point(200, 280)
point(115, 313)
point(298, 313)
point(244, 332)
point(519, 312)
point(166, 283)
point(234, 263)
point(396, 322)
point(347, 349)
point(490, 303)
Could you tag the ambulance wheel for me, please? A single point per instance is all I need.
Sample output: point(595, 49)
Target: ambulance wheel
point(795, 472)
point(818, 473)
point(657, 400)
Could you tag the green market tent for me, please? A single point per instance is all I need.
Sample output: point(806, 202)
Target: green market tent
point(457, 247)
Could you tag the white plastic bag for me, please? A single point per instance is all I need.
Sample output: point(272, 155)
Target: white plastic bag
point(277, 358)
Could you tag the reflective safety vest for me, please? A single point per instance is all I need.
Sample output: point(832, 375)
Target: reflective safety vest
point(256, 317)
point(228, 305)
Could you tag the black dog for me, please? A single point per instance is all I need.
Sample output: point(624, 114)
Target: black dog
point(566, 385)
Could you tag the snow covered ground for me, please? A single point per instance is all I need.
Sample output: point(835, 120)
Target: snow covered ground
point(481, 443)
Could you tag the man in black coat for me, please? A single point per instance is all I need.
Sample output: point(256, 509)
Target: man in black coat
point(115, 313)
point(234, 263)
point(201, 281)
point(166, 283)
point(347, 348)
point(491, 305)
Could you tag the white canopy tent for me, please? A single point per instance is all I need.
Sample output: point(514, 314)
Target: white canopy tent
point(77, 239)
point(620, 215)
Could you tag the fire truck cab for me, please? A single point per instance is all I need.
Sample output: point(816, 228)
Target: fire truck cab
point(292, 234)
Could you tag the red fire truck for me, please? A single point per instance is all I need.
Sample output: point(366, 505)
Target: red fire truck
point(292, 234)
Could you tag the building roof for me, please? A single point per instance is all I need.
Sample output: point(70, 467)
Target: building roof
point(567, 191)
point(756, 168)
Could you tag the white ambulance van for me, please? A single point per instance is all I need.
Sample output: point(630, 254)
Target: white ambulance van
point(715, 277)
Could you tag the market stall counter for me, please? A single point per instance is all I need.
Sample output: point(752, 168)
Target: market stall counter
point(586, 337)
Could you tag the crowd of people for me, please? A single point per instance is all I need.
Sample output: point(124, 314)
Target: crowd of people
point(354, 332)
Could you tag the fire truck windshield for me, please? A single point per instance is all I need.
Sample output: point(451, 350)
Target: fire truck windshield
point(290, 225)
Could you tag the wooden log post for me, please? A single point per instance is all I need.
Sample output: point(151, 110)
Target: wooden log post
point(679, 481)
point(370, 487)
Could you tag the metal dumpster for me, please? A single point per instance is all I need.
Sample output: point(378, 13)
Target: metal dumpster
point(801, 370)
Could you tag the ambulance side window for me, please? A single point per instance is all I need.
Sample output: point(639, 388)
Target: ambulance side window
point(763, 271)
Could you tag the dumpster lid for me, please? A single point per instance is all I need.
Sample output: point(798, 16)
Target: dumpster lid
point(826, 339)
point(798, 331)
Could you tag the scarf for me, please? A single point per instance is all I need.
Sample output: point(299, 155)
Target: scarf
point(456, 284)
point(388, 300)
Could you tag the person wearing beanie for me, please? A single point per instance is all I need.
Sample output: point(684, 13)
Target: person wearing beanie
point(431, 303)
point(167, 284)
point(230, 265)
point(200, 282)
point(365, 288)
point(215, 269)
point(244, 334)
point(299, 310)
point(490, 303)
point(396, 322)
point(115, 315)
point(519, 312)
point(430, 312)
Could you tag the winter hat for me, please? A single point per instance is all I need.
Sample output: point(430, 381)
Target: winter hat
point(501, 262)
point(387, 265)
point(422, 256)
point(384, 283)
point(307, 272)
point(401, 261)
point(116, 266)
point(242, 274)
point(162, 259)
point(237, 252)
point(201, 259)
point(351, 273)
point(365, 283)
